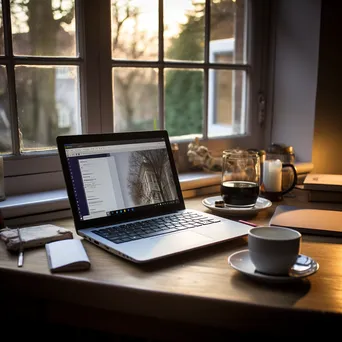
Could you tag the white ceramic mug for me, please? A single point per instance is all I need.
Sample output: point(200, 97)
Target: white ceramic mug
point(273, 250)
point(272, 185)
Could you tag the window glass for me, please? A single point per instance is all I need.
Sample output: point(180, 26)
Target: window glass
point(2, 48)
point(183, 109)
point(5, 119)
point(135, 99)
point(43, 28)
point(48, 104)
point(227, 31)
point(184, 101)
point(134, 29)
point(226, 103)
point(184, 30)
point(139, 69)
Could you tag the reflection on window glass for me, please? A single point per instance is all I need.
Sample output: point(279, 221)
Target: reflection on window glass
point(2, 48)
point(184, 101)
point(5, 120)
point(227, 31)
point(134, 29)
point(135, 99)
point(226, 103)
point(43, 28)
point(184, 30)
point(48, 105)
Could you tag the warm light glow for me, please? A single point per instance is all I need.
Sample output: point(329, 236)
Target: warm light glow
point(19, 15)
point(175, 13)
point(141, 30)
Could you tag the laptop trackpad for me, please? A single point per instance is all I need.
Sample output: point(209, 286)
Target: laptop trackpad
point(167, 244)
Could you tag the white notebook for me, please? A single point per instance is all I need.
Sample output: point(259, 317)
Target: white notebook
point(308, 221)
point(67, 255)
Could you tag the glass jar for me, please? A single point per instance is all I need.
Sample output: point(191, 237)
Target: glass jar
point(240, 183)
point(284, 153)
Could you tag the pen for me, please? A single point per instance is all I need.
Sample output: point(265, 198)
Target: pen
point(21, 250)
point(248, 223)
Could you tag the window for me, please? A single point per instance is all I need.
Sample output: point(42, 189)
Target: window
point(182, 66)
point(73, 66)
point(40, 87)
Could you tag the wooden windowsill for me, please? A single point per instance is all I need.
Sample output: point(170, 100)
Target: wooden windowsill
point(48, 205)
point(54, 204)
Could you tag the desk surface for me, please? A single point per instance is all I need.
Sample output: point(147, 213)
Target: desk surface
point(195, 289)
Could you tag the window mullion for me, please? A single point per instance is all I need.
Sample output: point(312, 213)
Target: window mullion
point(80, 52)
point(79, 28)
point(90, 75)
point(206, 70)
point(11, 77)
point(105, 66)
point(7, 28)
point(161, 70)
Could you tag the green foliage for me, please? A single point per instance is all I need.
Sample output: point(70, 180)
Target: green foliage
point(144, 125)
point(184, 88)
point(190, 42)
point(184, 102)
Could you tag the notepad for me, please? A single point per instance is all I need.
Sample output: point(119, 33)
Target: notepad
point(308, 221)
point(67, 255)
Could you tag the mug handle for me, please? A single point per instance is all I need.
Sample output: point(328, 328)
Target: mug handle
point(294, 178)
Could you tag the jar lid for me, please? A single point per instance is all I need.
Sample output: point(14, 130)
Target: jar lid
point(280, 149)
point(256, 151)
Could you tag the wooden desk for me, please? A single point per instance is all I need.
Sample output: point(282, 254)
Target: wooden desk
point(192, 296)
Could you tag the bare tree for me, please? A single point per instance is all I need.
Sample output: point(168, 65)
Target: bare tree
point(36, 87)
point(137, 192)
point(155, 162)
point(131, 85)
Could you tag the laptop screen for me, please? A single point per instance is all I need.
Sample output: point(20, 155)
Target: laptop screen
point(120, 179)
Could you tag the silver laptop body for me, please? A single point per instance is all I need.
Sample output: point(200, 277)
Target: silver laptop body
point(125, 197)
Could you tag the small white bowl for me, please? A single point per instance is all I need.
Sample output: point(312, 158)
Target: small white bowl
point(273, 250)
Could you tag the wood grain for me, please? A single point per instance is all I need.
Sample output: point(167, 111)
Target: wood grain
point(196, 289)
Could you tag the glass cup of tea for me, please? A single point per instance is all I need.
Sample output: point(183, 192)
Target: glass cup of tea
point(240, 183)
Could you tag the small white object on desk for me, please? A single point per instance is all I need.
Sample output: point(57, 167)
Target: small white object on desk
point(272, 175)
point(21, 250)
point(67, 255)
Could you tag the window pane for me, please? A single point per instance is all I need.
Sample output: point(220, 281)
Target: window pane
point(227, 31)
point(5, 123)
point(184, 30)
point(48, 104)
point(135, 99)
point(226, 103)
point(184, 101)
point(43, 28)
point(2, 48)
point(135, 29)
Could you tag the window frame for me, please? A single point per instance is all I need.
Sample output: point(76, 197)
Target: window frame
point(217, 47)
point(93, 29)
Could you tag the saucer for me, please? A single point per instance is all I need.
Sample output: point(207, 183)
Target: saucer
point(261, 204)
point(304, 267)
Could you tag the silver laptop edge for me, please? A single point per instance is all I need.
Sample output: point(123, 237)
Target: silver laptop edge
point(102, 171)
point(160, 246)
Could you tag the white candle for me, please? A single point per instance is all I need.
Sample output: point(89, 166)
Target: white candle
point(272, 176)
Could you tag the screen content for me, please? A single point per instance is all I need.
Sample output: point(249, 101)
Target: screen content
point(116, 178)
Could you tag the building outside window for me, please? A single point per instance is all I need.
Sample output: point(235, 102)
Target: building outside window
point(79, 66)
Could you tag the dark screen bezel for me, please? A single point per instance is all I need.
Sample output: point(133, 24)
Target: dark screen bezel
point(115, 137)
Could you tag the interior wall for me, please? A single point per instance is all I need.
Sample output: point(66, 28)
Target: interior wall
point(327, 146)
point(294, 86)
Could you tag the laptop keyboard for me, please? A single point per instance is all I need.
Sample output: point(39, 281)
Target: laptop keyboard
point(153, 227)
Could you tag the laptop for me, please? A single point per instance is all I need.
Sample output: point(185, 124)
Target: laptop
point(125, 197)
